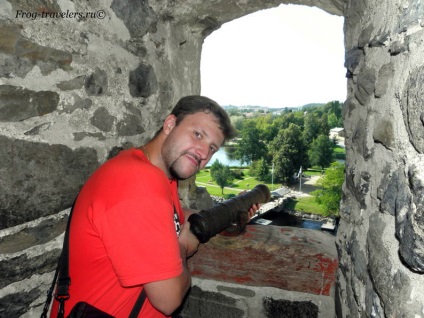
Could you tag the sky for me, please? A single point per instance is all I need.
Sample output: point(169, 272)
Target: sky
point(288, 56)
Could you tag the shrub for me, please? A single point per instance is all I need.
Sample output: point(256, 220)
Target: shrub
point(238, 174)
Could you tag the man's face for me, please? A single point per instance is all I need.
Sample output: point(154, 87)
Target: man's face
point(190, 145)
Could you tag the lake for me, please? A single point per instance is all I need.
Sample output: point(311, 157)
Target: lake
point(224, 156)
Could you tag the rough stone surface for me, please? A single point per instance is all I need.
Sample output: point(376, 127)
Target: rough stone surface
point(142, 82)
point(413, 113)
point(288, 309)
point(269, 271)
point(38, 179)
point(102, 119)
point(385, 75)
point(303, 260)
point(410, 225)
point(96, 83)
point(130, 125)
point(130, 12)
point(75, 83)
point(59, 75)
point(380, 237)
point(21, 54)
point(17, 103)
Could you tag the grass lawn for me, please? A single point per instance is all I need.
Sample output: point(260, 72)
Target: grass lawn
point(304, 204)
point(203, 179)
point(313, 171)
point(339, 153)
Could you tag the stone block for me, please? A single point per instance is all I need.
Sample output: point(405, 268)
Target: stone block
point(410, 222)
point(17, 103)
point(366, 85)
point(413, 114)
point(35, 5)
point(39, 179)
point(385, 76)
point(384, 133)
point(102, 119)
point(137, 16)
point(23, 53)
point(142, 82)
point(130, 125)
point(96, 83)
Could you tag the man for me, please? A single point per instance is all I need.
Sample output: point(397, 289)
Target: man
point(128, 229)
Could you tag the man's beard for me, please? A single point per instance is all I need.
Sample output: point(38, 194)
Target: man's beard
point(173, 170)
point(175, 174)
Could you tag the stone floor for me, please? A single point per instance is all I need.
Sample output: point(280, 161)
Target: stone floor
point(271, 261)
point(284, 257)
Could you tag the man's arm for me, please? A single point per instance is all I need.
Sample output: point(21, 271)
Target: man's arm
point(167, 295)
point(188, 212)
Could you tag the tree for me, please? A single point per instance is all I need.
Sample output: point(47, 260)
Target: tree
point(267, 129)
point(250, 147)
point(312, 127)
point(221, 174)
point(331, 193)
point(284, 121)
point(289, 153)
point(321, 151)
point(260, 170)
point(333, 121)
point(334, 110)
point(324, 127)
point(237, 121)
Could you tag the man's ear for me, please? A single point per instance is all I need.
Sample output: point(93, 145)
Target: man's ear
point(169, 123)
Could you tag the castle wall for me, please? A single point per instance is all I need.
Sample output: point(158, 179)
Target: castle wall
point(81, 80)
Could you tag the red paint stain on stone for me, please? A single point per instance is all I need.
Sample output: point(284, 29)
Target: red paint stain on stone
point(267, 256)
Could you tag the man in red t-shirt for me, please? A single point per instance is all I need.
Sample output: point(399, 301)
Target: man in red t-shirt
point(128, 229)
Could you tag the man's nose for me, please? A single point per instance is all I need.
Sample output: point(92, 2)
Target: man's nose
point(203, 151)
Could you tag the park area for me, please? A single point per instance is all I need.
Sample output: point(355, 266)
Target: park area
point(304, 201)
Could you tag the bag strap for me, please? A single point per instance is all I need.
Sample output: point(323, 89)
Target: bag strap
point(61, 275)
point(138, 304)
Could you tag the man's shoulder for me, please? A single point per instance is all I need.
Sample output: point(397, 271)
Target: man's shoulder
point(133, 162)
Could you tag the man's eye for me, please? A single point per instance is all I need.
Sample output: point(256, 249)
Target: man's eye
point(197, 134)
point(213, 150)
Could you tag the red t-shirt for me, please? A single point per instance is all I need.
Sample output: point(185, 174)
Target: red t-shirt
point(123, 235)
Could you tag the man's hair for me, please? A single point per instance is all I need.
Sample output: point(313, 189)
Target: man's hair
point(189, 105)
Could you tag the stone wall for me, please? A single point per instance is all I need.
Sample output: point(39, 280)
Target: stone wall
point(380, 240)
point(81, 80)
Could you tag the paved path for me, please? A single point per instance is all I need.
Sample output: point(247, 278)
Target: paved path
point(216, 186)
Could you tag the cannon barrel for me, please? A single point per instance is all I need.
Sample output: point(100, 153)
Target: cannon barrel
point(208, 223)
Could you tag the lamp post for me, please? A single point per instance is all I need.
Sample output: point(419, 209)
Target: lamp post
point(272, 176)
point(300, 179)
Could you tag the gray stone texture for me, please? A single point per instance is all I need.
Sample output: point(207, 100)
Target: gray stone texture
point(102, 119)
point(38, 179)
point(21, 54)
point(130, 12)
point(17, 103)
point(142, 81)
point(412, 107)
point(96, 83)
point(380, 236)
point(76, 91)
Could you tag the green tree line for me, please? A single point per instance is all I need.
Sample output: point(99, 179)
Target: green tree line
point(287, 142)
point(293, 139)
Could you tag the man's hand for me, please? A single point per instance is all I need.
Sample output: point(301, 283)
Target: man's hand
point(253, 209)
point(188, 240)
